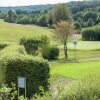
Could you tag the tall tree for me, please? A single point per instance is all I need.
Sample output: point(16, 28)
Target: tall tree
point(90, 22)
point(63, 30)
point(59, 12)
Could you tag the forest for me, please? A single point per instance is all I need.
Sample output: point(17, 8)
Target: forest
point(84, 14)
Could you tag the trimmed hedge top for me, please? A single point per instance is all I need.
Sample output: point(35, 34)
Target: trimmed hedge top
point(35, 70)
point(91, 33)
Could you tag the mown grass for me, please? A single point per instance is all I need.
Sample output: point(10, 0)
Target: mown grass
point(14, 32)
point(79, 54)
point(83, 45)
point(75, 70)
point(65, 72)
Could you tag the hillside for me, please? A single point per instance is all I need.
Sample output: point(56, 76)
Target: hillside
point(75, 6)
point(13, 32)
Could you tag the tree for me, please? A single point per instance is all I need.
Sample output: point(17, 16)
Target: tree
point(77, 25)
point(24, 19)
point(77, 15)
point(90, 14)
point(90, 22)
point(63, 30)
point(42, 21)
point(11, 17)
point(59, 12)
point(98, 19)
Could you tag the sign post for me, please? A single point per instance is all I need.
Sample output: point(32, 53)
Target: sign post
point(21, 84)
point(75, 43)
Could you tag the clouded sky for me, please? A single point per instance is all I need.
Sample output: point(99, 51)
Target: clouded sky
point(30, 2)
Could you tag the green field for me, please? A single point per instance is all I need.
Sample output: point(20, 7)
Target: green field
point(62, 70)
point(14, 32)
point(75, 70)
point(84, 45)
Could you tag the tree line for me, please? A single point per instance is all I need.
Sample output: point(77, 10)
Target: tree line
point(83, 13)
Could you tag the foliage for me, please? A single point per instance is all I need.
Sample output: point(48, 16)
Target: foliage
point(45, 40)
point(90, 14)
point(77, 25)
point(45, 15)
point(86, 89)
point(59, 12)
point(35, 70)
point(12, 50)
point(9, 93)
point(62, 31)
point(50, 52)
point(11, 17)
point(42, 21)
point(90, 22)
point(31, 45)
point(24, 20)
point(2, 45)
point(22, 98)
point(91, 33)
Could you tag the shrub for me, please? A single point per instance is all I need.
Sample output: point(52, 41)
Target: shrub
point(2, 45)
point(77, 25)
point(13, 49)
point(31, 45)
point(86, 89)
point(35, 70)
point(50, 52)
point(91, 33)
point(9, 93)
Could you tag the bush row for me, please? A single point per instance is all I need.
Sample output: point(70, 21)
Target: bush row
point(31, 45)
point(3, 45)
point(91, 34)
point(12, 50)
point(50, 52)
point(15, 62)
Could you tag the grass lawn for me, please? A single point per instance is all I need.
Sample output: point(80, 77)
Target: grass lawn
point(65, 71)
point(84, 45)
point(80, 54)
point(13, 32)
point(75, 70)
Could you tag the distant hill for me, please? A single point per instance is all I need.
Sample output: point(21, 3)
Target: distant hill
point(33, 8)
point(75, 6)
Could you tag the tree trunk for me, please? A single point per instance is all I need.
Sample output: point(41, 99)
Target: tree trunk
point(65, 50)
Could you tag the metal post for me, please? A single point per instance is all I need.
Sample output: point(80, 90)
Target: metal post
point(25, 92)
point(18, 92)
point(75, 52)
point(25, 87)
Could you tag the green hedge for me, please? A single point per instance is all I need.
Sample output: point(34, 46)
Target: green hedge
point(2, 45)
point(91, 33)
point(12, 50)
point(50, 52)
point(35, 70)
point(8, 52)
point(31, 45)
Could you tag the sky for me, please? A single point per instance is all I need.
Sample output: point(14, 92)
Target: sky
point(30, 2)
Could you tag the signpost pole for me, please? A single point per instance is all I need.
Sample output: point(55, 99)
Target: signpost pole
point(18, 92)
point(25, 87)
point(75, 52)
point(75, 43)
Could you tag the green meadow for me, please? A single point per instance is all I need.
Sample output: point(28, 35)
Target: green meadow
point(61, 69)
point(14, 32)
